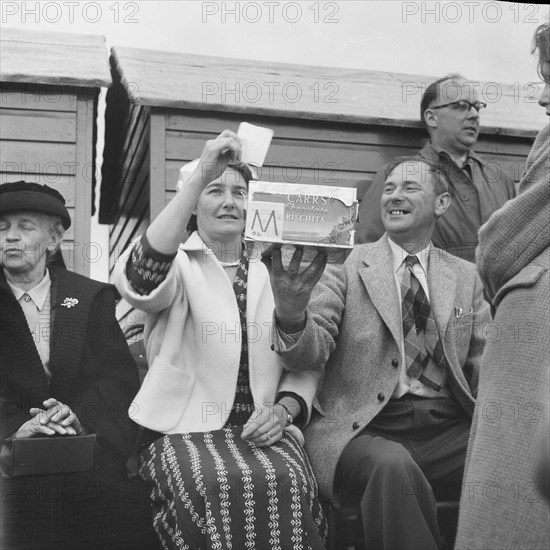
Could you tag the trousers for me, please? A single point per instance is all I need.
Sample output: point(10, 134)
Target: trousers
point(409, 456)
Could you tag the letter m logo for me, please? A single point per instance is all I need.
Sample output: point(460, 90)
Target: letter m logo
point(265, 221)
point(265, 229)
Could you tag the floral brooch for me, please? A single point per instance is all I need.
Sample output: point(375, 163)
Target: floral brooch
point(69, 302)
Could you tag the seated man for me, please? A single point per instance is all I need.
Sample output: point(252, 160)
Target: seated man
point(398, 328)
point(65, 370)
point(450, 111)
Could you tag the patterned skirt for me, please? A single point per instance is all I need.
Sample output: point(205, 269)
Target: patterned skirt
point(215, 491)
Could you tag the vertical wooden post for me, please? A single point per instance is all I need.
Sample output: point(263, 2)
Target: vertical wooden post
point(83, 184)
point(157, 181)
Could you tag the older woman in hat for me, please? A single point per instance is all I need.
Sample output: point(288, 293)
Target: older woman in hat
point(65, 370)
point(230, 471)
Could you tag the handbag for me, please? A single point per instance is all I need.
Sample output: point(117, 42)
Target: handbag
point(32, 456)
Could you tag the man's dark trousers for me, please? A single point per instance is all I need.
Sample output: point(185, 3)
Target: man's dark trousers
point(411, 454)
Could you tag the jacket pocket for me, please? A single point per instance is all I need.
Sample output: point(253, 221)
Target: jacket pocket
point(527, 277)
point(317, 409)
point(460, 318)
point(459, 333)
point(163, 397)
point(465, 318)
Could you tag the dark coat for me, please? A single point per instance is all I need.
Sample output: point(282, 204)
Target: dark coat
point(92, 369)
point(94, 373)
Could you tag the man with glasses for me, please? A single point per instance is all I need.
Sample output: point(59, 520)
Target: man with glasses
point(450, 110)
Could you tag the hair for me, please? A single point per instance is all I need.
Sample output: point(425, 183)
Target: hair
point(57, 229)
point(440, 175)
point(246, 171)
point(541, 46)
point(432, 93)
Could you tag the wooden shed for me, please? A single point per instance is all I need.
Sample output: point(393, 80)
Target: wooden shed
point(49, 86)
point(332, 126)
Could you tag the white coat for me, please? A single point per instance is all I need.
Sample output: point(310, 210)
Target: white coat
point(193, 342)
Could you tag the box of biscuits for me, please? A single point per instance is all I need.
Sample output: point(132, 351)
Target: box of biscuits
point(310, 216)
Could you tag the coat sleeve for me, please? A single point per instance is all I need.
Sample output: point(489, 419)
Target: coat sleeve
point(110, 379)
point(310, 349)
point(304, 384)
point(15, 412)
point(369, 227)
point(159, 298)
point(481, 319)
point(23, 383)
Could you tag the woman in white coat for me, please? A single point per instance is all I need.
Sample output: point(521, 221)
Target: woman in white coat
point(230, 471)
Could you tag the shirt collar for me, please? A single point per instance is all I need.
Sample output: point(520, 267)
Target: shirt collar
point(399, 254)
point(38, 294)
point(470, 155)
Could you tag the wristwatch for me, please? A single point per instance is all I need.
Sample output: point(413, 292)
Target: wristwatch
point(289, 417)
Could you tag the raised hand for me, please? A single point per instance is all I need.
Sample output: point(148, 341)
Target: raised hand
point(216, 155)
point(292, 289)
point(168, 229)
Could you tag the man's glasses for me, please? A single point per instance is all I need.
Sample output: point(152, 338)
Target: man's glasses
point(462, 106)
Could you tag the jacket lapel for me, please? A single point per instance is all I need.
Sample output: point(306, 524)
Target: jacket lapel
point(20, 364)
point(69, 331)
point(379, 280)
point(258, 278)
point(442, 285)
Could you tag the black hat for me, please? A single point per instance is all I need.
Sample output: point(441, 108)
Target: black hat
point(22, 195)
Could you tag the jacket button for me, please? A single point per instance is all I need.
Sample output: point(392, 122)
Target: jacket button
point(355, 425)
point(394, 363)
point(272, 347)
point(381, 397)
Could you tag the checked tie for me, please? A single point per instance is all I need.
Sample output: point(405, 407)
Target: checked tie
point(423, 349)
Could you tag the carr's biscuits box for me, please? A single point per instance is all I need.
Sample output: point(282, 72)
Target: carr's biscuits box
point(313, 216)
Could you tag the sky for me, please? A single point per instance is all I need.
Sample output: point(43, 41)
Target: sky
point(487, 40)
point(483, 40)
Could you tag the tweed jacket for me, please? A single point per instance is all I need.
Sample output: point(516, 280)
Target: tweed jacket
point(502, 508)
point(92, 369)
point(473, 203)
point(193, 337)
point(354, 331)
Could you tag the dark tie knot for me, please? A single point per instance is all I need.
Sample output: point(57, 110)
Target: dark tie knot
point(411, 261)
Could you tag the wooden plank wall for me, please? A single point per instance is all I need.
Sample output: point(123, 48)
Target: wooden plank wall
point(128, 168)
point(46, 137)
point(311, 152)
point(321, 153)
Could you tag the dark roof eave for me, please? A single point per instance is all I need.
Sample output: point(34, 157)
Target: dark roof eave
point(54, 81)
point(315, 115)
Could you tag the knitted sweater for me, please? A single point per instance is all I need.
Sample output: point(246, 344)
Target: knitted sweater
point(519, 231)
